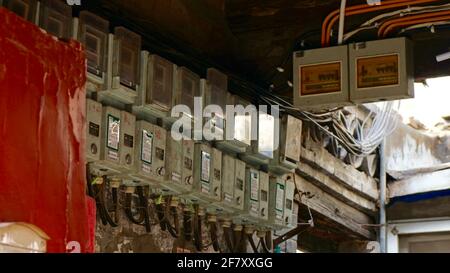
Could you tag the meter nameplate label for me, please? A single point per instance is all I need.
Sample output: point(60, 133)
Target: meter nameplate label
point(94, 129)
point(147, 146)
point(254, 208)
point(228, 198)
point(254, 186)
point(279, 202)
point(113, 136)
point(205, 187)
point(146, 168)
point(205, 166)
point(113, 155)
point(377, 71)
point(320, 78)
point(176, 177)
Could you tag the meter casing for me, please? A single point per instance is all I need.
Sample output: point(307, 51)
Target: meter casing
point(277, 189)
point(93, 130)
point(287, 156)
point(56, 18)
point(27, 9)
point(127, 142)
point(289, 203)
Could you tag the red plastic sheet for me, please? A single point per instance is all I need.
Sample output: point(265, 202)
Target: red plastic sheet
point(42, 106)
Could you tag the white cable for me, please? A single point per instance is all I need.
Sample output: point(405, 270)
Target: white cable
point(341, 22)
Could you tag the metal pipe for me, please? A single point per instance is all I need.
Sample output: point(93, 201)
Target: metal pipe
point(383, 227)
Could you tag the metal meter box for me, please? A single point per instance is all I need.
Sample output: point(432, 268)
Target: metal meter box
point(252, 196)
point(381, 70)
point(321, 78)
point(213, 126)
point(261, 150)
point(92, 31)
point(93, 129)
point(123, 78)
point(239, 184)
point(239, 128)
point(156, 93)
point(287, 155)
point(150, 153)
point(56, 18)
point(127, 141)
point(217, 95)
point(264, 196)
point(228, 181)
point(277, 189)
point(179, 166)
point(289, 202)
point(27, 9)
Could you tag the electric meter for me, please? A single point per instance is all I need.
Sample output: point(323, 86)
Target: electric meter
point(381, 70)
point(110, 133)
point(321, 78)
point(56, 18)
point(150, 153)
point(251, 211)
point(239, 190)
point(264, 196)
point(261, 150)
point(212, 126)
point(127, 139)
point(239, 129)
point(27, 9)
point(277, 189)
point(93, 129)
point(217, 93)
point(227, 204)
point(287, 156)
point(179, 166)
point(155, 98)
point(289, 202)
point(92, 31)
point(123, 67)
point(207, 175)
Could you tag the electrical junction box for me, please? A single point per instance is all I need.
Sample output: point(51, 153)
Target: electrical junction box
point(381, 70)
point(213, 127)
point(277, 189)
point(92, 31)
point(123, 78)
point(251, 213)
point(150, 154)
point(156, 93)
point(289, 202)
point(27, 9)
point(127, 141)
point(261, 150)
point(227, 207)
point(239, 128)
point(93, 130)
point(179, 167)
point(239, 192)
point(264, 196)
point(287, 156)
point(321, 78)
point(110, 148)
point(56, 18)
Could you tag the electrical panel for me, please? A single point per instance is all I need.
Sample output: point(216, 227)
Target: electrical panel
point(156, 93)
point(150, 153)
point(277, 189)
point(123, 78)
point(261, 150)
point(93, 130)
point(92, 31)
point(381, 70)
point(287, 156)
point(321, 78)
point(240, 128)
point(56, 18)
point(27, 9)
point(289, 202)
point(179, 166)
point(127, 141)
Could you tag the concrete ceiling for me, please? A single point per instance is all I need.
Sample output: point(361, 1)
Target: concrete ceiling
point(244, 38)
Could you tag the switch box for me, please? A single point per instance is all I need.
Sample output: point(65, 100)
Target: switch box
point(321, 78)
point(127, 141)
point(27, 9)
point(156, 93)
point(56, 18)
point(277, 189)
point(123, 78)
point(287, 156)
point(261, 150)
point(381, 70)
point(93, 130)
point(92, 31)
point(150, 154)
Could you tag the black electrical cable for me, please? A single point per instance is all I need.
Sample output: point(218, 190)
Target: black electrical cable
point(213, 234)
point(268, 240)
point(187, 225)
point(160, 213)
point(129, 212)
point(228, 241)
point(173, 230)
point(197, 229)
point(237, 241)
point(264, 246)
point(252, 243)
point(144, 207)
point(101, 204)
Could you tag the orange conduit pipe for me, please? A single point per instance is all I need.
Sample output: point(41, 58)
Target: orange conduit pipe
point(429, 15)
point(355, 11)
point(414, 22)
point(335, 14)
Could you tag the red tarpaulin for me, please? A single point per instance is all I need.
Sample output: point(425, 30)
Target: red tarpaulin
point(42, 113)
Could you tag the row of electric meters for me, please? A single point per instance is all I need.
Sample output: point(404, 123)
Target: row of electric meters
point(119, 74)
point(141, 153)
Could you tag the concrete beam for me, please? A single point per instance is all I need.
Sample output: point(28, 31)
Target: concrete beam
point(421, 183)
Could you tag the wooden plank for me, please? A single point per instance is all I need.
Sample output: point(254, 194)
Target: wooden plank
point(336, 189)
point(333, 208)
point(348, 176)
point(421, 183)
